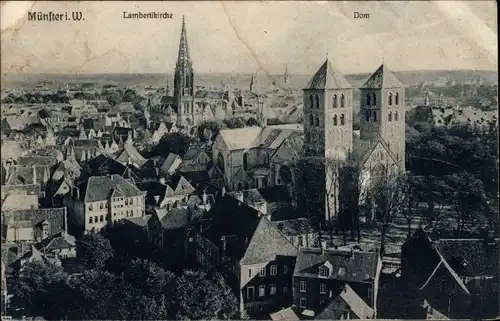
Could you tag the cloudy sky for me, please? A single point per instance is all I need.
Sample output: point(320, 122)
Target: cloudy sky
point(251, 37)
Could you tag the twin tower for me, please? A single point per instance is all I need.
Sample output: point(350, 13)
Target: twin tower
point(329, 114)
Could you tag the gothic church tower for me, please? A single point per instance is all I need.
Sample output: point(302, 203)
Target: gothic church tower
point(184, 82)
point(383, 111)
point(328, 121)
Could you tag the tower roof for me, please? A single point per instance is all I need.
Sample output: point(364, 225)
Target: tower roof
point(328, 77)
point(382, 78)
point(183, 59)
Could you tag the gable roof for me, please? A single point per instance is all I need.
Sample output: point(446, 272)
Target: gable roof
point(328, 77)
point(240, 138)
point(357, 305)
point(129, 152)
point(169, 163)
point(382, 78)
point(359, 266)
point(267, 243)
point(31, 218)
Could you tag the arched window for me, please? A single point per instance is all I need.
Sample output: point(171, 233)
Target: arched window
point(311, 120)
point(367, 115)
point(342, 119)
point(390, 99)
point(368, 99)
point(334, 120)
point(375, 116)
point(317, 102)
point(374, 98)
point(396, 98)
point(317, 121)
point(390, 116)
point(396, 116)
point(334, 101)
point(245, 161)
point(342, 101)
point(311, 101)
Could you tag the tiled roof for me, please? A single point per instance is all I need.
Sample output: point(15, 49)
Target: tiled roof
point(287, 314)
point(36, 160)
point(176, 218)
point(139, 221)
point(240, 138)
point(192, 153)
point(357, 305)
point(19, 201)
point(31, 189)
point(382, 78)
point(58, 241)
point(31, 218)
point(21, 175)
point(98, 188)
point(358, 266)
point(294, 227)
point(328, 77)
point(267, 243)
point(129, 151)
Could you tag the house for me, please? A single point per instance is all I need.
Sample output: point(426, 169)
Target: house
point(346, 305)
point(61, 245)
point(104, 199)
point(322, 274)
point(169, 231)
point(255, 258)
point(170, 165)
point(195, 160)
point(20, 202)
point(129, 155)
point(299, 231)
point(456, 277)
point(34, 225)
point(168, 193)
point(288, 314)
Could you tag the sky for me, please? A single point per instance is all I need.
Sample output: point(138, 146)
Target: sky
point(249, 37)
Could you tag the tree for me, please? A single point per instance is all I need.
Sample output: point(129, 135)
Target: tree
point(468, 199)
point(94, 251)
point(386, 195)
point(410, 200)
point(433, 192)
point(149, 277)
point(234, 122)
point(198, 297)
point(37, 287)
point(209, 129)
point(252, 122)
point(176, 143)
point(352, 195)
point(114, 98)
point(130, 95)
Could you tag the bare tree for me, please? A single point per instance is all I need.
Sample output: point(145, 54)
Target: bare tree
point(410, 200)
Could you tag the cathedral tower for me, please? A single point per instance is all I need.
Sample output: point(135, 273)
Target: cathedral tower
point(383, 111)
point(184, 82)
point(328, 123)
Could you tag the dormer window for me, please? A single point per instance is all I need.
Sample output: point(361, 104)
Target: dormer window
point(341, 271)
point(324, 272)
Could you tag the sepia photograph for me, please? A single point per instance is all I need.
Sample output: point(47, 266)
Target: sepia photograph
point(249, 160)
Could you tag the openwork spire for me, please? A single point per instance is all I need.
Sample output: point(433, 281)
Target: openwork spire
point(183, 59)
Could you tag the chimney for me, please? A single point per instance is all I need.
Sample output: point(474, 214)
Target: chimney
point(204, 197)
point(223, 191)
point(34, 174)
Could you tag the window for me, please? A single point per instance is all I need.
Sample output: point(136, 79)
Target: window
point(101, 206)
point(311, 120)
point(249, 273)
point(274, 269)
point(374, 99)
point(342, 119)
point(285, 269)
point(245, 161)
point(302, 302)
point(396, 98)
point(396, 116)
point(126, 202)
point(375, 116)
point(322, 288)
point(342, 101)
point(390, 116)
point(311, 102)
point(272, 290)
point(390, 99)
point(95, 219)
point(301, 241)
point(317, 121)
point(90, 207)
point(250, 292)
point(334, 101)
point(367, 115)
point(324, 271)
point(302, 286)
point(90, 219)
point(368, 99)
point(341, 270)
point(131, 201)
point(101, 218)
point(262, 290)
point(262, 271)
point(335, 120)
point(317, 102)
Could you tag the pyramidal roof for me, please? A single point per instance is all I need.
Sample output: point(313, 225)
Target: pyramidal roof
point(382, 78)
point(328, 77)
point(183, 59)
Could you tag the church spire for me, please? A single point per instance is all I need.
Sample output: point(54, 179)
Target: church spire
point(183, 58)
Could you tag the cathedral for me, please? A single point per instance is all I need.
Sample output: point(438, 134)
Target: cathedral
point(379, 145)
